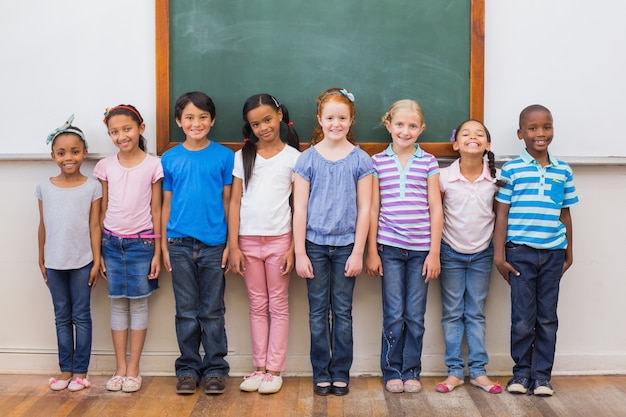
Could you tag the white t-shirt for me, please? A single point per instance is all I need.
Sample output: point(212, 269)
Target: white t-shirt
point(468, 216)
point(265, 209)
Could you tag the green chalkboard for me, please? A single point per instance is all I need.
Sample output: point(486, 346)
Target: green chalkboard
point(381, 51)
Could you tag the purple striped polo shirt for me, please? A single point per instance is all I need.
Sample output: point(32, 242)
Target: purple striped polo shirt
point(404, 219)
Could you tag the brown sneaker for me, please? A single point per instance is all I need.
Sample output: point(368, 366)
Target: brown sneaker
point(186, 386)
point(215, 385)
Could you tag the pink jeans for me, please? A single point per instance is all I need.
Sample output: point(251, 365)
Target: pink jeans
point(268, 292)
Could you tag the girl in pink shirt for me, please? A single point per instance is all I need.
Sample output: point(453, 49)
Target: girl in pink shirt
point(131, 249)
point(468, 187)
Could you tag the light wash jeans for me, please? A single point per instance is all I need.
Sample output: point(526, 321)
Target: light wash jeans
point(464, 282)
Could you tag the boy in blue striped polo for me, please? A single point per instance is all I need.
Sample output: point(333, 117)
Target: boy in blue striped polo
point(533, 248)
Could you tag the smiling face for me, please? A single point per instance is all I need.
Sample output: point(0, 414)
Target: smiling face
point(68, 151)
point(536, 131)
point(265, 122)
point(125, 132)
point(335, 120)
point(471, 138)
point(195, 122)
point(404, 127)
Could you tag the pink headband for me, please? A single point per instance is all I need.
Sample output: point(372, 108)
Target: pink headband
point(107, 112)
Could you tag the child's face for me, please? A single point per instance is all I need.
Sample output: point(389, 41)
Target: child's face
point(125, 132)
point(265, 122)
point(537, 131)
point(335, 120)
point(196, 123)
point(404, 128)
point(471, 139)
point(68, 152)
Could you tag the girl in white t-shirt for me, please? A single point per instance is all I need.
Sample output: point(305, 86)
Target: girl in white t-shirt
point(468, 187)
point(131, 248)
point(259, 233)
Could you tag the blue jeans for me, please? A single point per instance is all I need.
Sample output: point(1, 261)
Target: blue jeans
point(71, 297)
point(534, 299)
point(198, 281)
point(464, 284)
point(330, 313)
point(404, 305)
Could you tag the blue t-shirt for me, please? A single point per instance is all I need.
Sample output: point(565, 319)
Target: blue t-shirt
point(197, 180)
point(332, 208)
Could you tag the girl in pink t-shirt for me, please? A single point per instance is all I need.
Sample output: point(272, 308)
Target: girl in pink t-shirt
point(468, 187)
point(131, 248)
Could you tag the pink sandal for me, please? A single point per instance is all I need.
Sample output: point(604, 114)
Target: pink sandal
point(79, 384)
point(58, 384)
point(491, 389)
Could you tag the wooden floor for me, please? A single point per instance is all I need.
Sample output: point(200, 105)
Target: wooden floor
point(584, 396)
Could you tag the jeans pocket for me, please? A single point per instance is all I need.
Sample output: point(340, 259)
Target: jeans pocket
point(174, 241)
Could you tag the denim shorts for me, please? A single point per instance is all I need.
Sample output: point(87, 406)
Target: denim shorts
point(128, 263)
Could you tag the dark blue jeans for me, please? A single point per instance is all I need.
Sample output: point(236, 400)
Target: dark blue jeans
point(71, 297)
point(534, 299)
point(404, 305)
point(198, 281)
point(330, 313)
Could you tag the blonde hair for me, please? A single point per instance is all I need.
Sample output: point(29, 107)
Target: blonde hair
point(403, 105)
point(337, 95)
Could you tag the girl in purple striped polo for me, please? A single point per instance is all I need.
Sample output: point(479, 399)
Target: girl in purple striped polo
point(403, 242)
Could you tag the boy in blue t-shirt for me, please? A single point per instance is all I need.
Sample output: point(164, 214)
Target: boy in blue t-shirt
point(196, 191)
point(533, 248)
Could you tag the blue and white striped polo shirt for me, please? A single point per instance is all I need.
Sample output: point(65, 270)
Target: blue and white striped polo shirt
point(404, 220)
point(536, 196)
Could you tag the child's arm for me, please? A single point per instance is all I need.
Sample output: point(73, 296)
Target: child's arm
point(288, 259)
point(155, 210)
point(499, 240)
point(373, 265)
point(354, 264)
point(566, 219)
point(95, 232)
point(226, 201)
point(41, 240)
point(432, 263)
point(300, 206)
point(236, 258)
point(103, 210)
point(165, 218)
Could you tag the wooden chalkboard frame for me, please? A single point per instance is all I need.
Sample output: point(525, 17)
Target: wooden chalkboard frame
point(439, 149)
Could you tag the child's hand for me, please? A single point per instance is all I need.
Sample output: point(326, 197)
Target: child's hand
point(286, 263)
point(94, 274)
point(103, 269)
point(354, 265)
point(431, 268)
point(155, 268)
point(44, 273)
point(165, 253)
point(373, 265)
point(237, 262)
point(304, 267)
point(505, 269)
point(225, 265)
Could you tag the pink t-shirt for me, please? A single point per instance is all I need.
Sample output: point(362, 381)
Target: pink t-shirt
point(130, 193)
point(468, 216)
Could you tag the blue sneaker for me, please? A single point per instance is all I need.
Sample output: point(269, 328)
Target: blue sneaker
point(518, 385)
point(542, 388)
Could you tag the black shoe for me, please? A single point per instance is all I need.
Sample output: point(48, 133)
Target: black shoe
point(323, 391)
point(339, 391)
point(186, 386)
point(518, 385)
point(542, 388)
point(215, 385)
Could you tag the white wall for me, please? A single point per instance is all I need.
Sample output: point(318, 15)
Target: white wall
point(114, 62)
